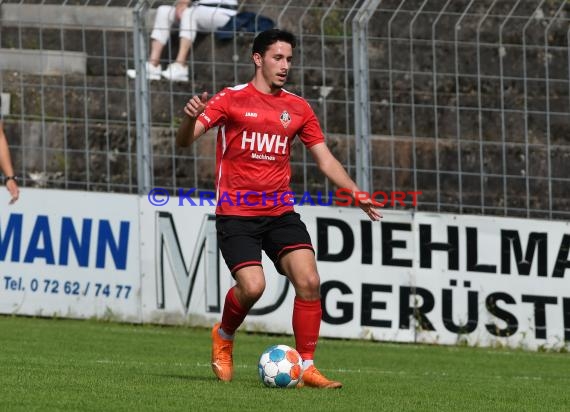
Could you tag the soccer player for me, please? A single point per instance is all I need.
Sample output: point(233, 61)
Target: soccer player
point(256, 124)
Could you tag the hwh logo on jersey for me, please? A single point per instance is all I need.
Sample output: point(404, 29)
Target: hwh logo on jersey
point(264, 143)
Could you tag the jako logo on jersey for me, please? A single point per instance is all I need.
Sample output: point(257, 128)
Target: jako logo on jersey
point(285, 118)
point(262, 142)
point(250, 114)
point(206, 117)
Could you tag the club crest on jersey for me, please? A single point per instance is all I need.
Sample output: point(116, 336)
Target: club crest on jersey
point(285, 118)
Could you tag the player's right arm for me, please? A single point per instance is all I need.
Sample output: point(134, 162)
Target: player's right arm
point(190, 129)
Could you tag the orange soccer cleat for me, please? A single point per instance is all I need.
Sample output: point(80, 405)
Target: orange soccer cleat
point(222, 362)
point(315, 379)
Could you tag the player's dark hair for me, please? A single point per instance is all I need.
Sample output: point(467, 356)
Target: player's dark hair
point(266, 38)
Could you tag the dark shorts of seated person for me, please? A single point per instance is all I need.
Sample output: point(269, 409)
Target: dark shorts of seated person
point(242, 238)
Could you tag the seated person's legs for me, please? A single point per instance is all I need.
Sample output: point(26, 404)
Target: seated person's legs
point(193, 20)
point(165, 17)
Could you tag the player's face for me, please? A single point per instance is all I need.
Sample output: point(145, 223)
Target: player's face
point(275, 64)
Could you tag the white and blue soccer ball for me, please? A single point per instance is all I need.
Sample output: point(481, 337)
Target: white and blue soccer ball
point(280, 366)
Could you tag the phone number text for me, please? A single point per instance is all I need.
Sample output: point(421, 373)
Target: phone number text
point(73, 288)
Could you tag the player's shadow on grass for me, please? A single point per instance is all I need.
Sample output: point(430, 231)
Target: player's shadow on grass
point(253, 383)
point(186, 377)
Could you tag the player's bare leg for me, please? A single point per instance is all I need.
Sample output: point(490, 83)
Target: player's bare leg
point(301, 269)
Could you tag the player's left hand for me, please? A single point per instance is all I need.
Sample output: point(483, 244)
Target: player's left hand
point(368, 207)
point(12, 187)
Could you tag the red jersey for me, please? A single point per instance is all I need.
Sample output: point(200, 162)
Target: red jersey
point(255, 133)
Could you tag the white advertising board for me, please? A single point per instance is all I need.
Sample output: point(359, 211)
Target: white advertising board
point(493, 280)
point(413, 277)
point(70, 254)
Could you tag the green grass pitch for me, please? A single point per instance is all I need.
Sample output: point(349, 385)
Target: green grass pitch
point(66, 365)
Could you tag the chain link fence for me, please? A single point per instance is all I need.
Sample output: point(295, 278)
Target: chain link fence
point(467, 101)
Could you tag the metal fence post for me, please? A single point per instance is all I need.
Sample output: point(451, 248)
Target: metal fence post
point(547, 64)
point(142, 99)
point(361, 93)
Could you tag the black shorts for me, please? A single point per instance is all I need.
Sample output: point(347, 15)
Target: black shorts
point(241, 239)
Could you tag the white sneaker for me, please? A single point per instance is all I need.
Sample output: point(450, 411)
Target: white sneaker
point(152, 72)
point(175, 72)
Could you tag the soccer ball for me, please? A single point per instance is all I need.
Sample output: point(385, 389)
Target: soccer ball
point(280, 366)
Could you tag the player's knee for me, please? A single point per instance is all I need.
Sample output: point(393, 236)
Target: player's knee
point(314, 282)
point(254, 289)
point(308, 285)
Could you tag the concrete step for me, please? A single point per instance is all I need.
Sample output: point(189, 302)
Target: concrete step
point(111, 52)
point(43, 62)
point(70, 16)
point(98, 98)
point(111, 99)
point(97, 156)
